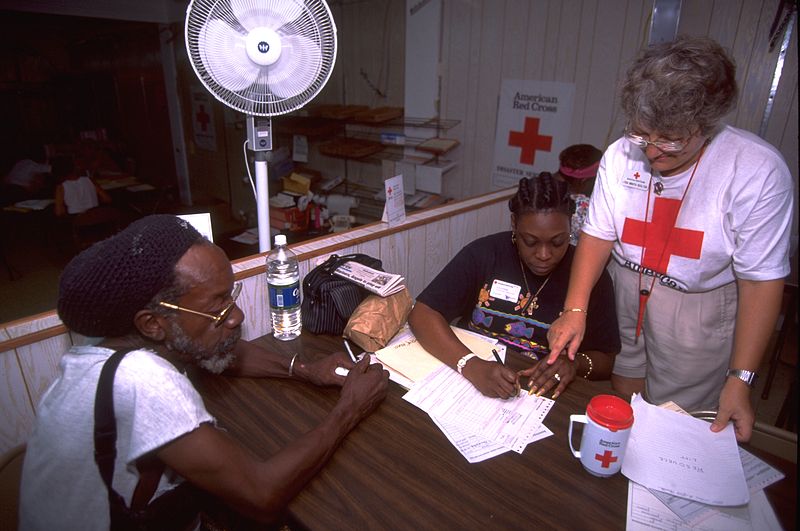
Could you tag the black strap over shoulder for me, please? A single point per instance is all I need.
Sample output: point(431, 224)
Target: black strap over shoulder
point(172, 510)
point(105, 423)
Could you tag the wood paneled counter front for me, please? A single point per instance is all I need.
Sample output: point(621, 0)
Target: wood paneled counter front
point(396, 470)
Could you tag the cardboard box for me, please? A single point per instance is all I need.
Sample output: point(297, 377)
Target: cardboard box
point(296, 183)
point(291, 218)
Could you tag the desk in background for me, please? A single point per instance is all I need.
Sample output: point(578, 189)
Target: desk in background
point(396, 470)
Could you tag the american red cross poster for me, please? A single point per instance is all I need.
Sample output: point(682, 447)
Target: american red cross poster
point(533, 122)
point(203, 120)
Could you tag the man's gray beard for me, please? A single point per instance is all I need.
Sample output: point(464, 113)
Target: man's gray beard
point(214, 361)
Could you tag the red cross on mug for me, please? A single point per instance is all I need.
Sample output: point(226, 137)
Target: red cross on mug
point(608, 422)
point(606, 458)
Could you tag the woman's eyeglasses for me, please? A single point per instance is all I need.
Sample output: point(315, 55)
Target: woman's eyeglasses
point(219, 317)
point(669, 146)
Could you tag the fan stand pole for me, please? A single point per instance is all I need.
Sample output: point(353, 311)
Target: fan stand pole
point(262, 202)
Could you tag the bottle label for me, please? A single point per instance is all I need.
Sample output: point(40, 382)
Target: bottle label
point(284, 297)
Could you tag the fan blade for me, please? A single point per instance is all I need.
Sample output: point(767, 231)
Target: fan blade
point(297, 68)
point(270, 14)
point(223, 53)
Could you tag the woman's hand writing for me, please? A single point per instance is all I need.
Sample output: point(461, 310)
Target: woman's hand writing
point(491, 378)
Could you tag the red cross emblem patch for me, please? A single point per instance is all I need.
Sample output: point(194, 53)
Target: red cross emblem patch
point(663, 238)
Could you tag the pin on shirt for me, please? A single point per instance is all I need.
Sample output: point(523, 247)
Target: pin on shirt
point(658, 186)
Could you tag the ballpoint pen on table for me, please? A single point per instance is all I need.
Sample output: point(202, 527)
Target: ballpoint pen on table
point(350, 351)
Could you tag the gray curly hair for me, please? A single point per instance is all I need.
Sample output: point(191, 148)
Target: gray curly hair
point(677, 87)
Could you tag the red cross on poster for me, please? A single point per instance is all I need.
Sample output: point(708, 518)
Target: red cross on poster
point(660, 237)
point(533, 122)
point(203, 120)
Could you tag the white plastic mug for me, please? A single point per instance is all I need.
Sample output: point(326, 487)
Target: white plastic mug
point(608, 422)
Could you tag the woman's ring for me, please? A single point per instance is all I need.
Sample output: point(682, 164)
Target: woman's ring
point(557, 377)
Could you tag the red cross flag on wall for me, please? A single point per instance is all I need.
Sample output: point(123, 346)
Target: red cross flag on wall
point(203, 120)
point(533, 121)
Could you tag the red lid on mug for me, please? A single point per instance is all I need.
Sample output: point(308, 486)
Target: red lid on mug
point(611, 412)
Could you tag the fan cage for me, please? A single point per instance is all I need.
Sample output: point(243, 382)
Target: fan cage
point(315, 23)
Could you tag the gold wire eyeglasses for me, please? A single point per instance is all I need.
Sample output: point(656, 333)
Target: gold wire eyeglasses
point(218, 318)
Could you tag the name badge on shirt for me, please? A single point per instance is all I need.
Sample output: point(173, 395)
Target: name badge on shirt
point(504, 290)
point(636, 180)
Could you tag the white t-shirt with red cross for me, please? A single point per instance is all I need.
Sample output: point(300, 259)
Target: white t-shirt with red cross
point(734, 221)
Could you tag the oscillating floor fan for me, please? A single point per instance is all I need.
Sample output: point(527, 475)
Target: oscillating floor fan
point(263, 58)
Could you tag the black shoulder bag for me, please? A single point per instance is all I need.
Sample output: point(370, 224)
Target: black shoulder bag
point(329, 300)
point(172, 510)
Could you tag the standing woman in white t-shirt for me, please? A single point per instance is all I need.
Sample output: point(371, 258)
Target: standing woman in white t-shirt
point(696, 218)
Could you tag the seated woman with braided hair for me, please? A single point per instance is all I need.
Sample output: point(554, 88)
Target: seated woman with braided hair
point(511, 286)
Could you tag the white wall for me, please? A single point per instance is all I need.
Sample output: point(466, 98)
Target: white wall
point(590, 43)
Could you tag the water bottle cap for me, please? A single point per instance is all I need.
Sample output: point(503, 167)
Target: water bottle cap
point(280, 239)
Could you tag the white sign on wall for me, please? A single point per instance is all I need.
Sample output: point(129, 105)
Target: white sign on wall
point(533, 122)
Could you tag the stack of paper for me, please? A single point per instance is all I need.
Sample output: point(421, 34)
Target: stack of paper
point(478, 426)
point(684, 476)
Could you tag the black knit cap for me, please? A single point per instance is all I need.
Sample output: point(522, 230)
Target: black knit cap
point(103, 287)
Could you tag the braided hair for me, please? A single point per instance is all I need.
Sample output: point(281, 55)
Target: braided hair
point(543, 193)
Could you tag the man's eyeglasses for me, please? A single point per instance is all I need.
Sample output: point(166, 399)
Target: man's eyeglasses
point(218, 318)
point(670, 146)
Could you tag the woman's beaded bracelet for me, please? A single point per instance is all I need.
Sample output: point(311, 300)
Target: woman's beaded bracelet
point(567, 310)
point(591, 365)
point(291, 365)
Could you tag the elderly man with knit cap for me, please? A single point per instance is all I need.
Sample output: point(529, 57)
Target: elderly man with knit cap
point(163, 298)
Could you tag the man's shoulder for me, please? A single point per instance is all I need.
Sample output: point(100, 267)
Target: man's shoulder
point(138, 358)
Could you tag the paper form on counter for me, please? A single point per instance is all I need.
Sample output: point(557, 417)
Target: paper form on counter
point(758, 474)
point(645, 513)
point(453, 402)
point(680, 455)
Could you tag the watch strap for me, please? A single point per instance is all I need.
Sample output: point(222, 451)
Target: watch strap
point(748, 377)
point(463, 361)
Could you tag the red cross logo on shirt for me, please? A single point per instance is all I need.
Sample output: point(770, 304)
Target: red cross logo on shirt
point(606, 458)
point(529, 140)
point(664, 239)
point(202, 117)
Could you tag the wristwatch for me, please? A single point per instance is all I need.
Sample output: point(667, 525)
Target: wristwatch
point(748, 377)
point(463, 361)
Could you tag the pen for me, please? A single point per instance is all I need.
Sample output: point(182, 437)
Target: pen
point(500, 361)
point(350, 351)
point(497, 356)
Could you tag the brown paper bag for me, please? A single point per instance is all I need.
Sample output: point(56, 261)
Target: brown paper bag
point(377, 319)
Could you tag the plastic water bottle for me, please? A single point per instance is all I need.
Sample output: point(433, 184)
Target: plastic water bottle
point(283, 281)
